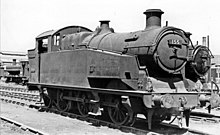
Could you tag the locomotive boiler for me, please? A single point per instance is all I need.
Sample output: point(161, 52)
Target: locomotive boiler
point(151, 72)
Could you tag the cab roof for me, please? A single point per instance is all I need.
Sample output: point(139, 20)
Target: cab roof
point(52, 32)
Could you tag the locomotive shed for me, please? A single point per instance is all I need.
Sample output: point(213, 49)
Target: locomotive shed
point(89, 74)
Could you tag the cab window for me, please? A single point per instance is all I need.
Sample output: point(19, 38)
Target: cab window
point(57, 39)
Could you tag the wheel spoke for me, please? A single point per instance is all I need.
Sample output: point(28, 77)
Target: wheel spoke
point(82, 106)
point(119, 114)
point(123, 115)
point(62, 104)
point(121, 118)
point(114, 112)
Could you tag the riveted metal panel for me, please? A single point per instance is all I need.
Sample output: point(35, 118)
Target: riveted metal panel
point(74, 67)
point(113, 65)
point(66, 67)
point(33, 58)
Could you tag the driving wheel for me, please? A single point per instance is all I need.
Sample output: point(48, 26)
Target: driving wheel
point(62, 105)
point(118, 114)
point(82, 106)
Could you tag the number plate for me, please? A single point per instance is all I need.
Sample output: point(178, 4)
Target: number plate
point(174, 42)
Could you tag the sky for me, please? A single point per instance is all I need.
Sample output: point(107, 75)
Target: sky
point(23, 20)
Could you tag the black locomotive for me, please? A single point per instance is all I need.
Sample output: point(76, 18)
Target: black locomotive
point(151, 72)
point(16, 72)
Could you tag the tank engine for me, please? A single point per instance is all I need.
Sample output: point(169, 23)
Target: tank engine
point(15, 72)
point(151, 72)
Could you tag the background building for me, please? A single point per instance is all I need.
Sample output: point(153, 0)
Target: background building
point(215, 69)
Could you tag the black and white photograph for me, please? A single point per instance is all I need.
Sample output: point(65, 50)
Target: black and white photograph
point(117, 67)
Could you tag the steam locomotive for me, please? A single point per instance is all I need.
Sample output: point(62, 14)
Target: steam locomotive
point(16, 72)
point(151, 72)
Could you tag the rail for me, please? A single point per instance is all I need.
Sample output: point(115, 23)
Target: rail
point(23, 127)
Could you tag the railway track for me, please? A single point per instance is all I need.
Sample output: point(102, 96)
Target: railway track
point(138, 128)
point(25, 128)
point(200, 116)
point(13, 88)
point(19, 93)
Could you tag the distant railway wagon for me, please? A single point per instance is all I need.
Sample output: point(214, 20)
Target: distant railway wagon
point(151, 71)
point(215, 74)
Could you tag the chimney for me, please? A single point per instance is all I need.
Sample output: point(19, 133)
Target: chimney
point(104, 26)
point(204, 41)
point(208, 41)
point(14, 62)
point(153, 17)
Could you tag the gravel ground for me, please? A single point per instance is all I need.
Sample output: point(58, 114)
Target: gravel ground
point(51, 123)
point(9, 129)
point(59, 125)
point(204, 126)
